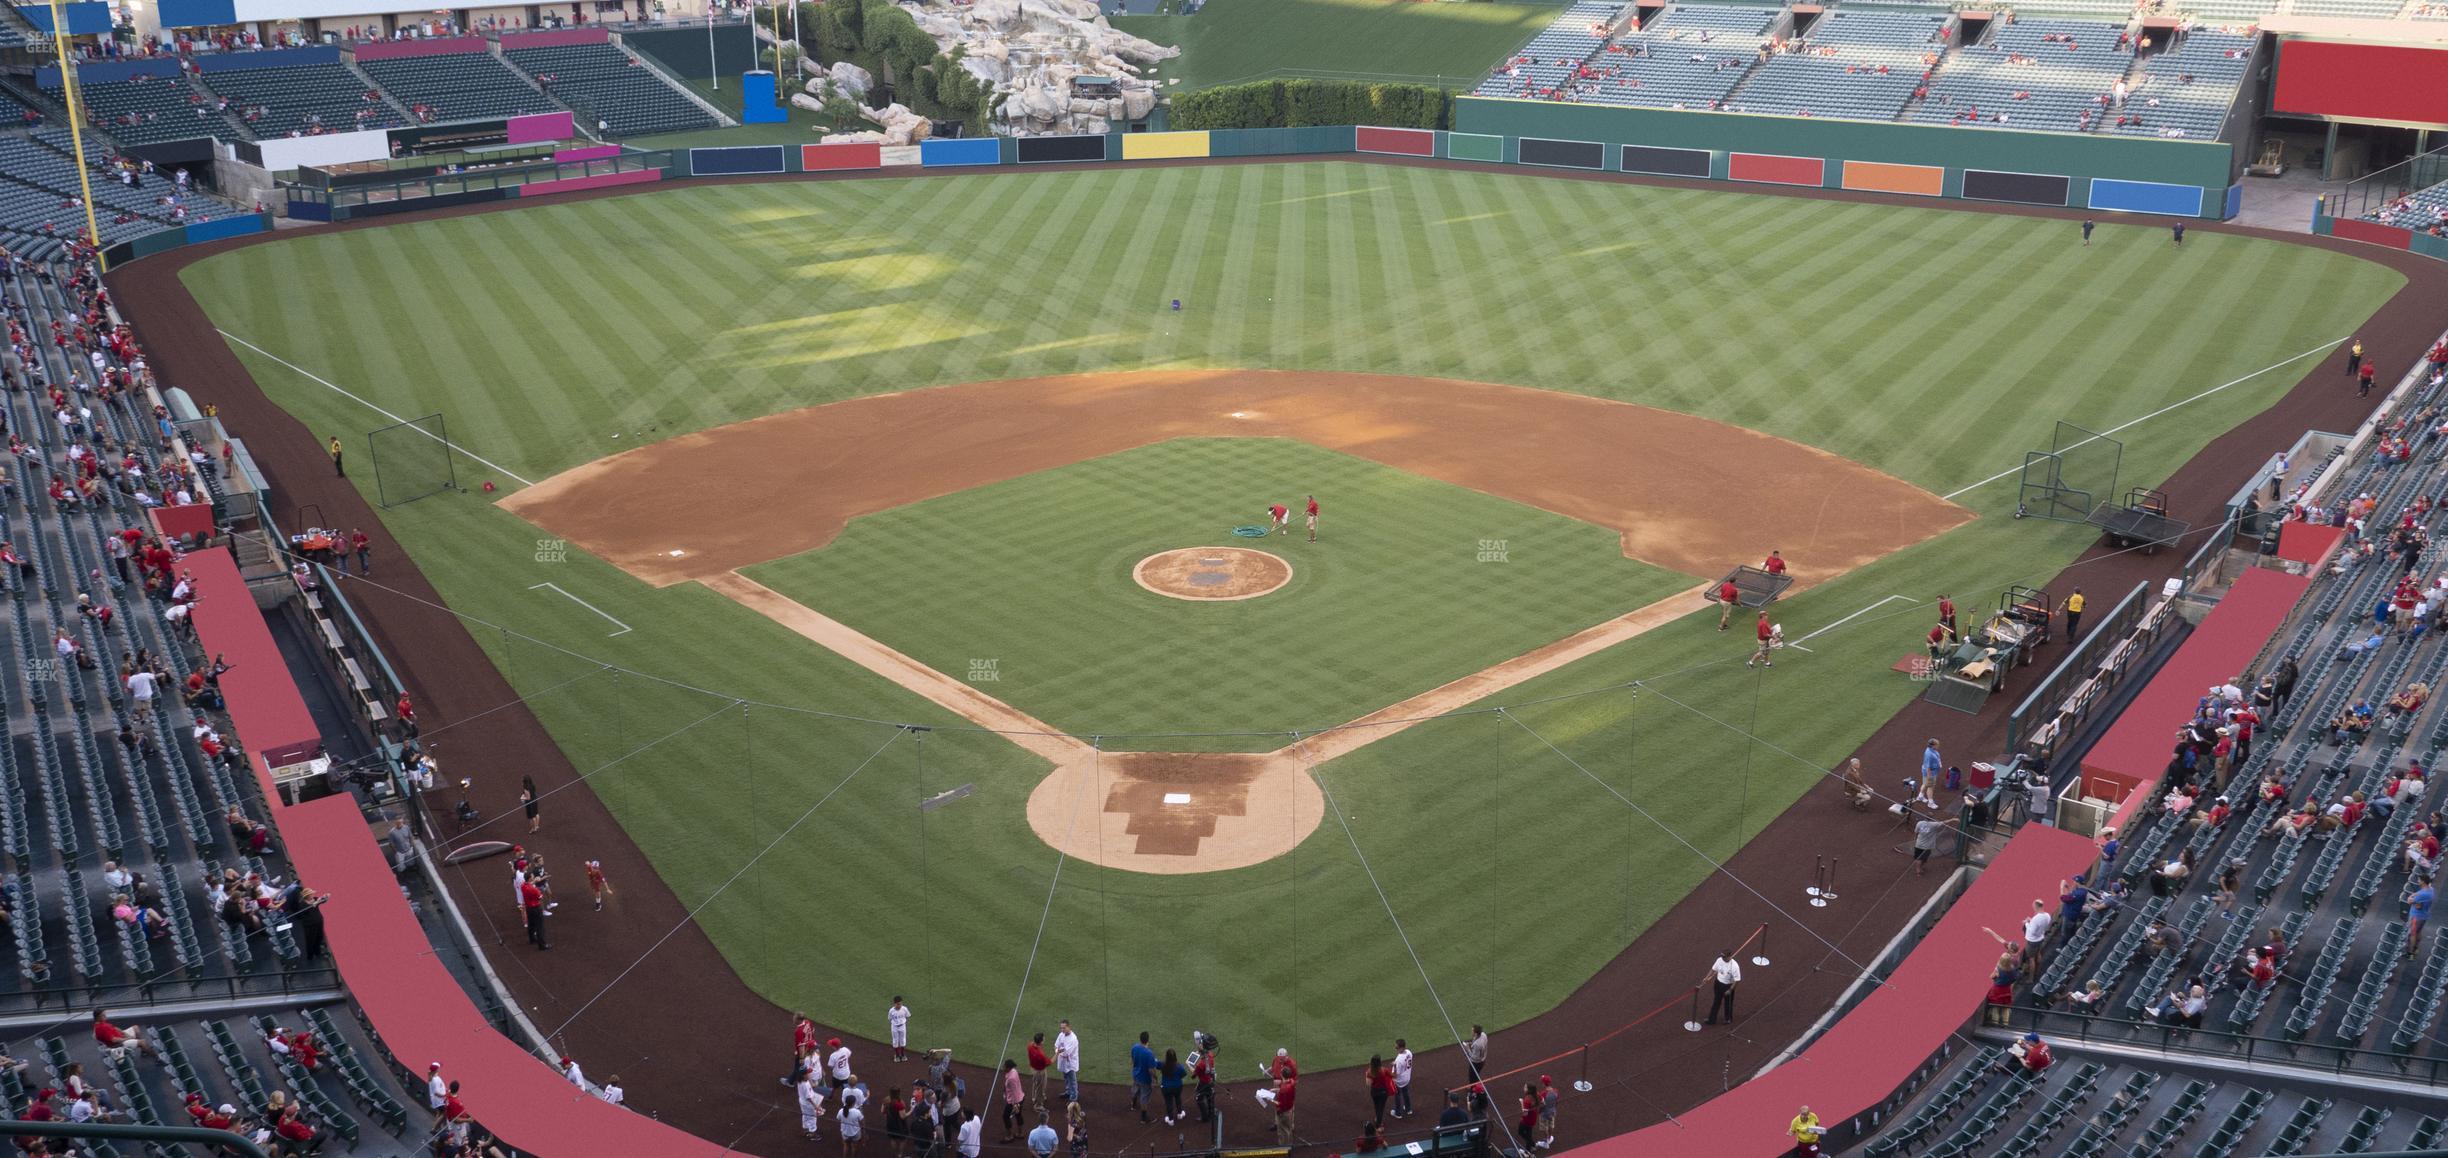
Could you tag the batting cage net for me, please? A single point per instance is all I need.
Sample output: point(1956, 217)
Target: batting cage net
point(2070, 479)
point(411, 460)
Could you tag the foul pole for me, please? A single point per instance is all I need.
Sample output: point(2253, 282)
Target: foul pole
point(76, 127)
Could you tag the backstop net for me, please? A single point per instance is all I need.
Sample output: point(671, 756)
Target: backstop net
point(2070, 479)
point(411, 460)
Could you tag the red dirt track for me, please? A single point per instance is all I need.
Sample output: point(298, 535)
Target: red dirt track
point(696, 1048)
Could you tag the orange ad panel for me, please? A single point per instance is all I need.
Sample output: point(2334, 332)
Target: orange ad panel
point(1874, 177)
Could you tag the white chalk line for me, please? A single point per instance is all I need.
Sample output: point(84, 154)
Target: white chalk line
point(1797, 644)
point(624, 628)
point(335, 388)
point(2323, 347)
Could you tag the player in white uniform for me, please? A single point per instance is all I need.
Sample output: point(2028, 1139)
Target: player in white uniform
point(898, 1017)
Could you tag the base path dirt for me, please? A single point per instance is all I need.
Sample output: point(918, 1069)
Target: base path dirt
point(1637, 470)
point(698, 1049)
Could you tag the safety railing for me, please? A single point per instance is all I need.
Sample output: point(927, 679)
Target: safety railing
point(2086, 681)
point(2174, 1041)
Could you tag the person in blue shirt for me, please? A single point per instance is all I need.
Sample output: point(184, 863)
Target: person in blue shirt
point(1041, 1141)
point(1932, 767)
point(1143, 1076)
point(2418, 914)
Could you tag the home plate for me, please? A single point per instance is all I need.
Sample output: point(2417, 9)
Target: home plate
point(1177, 798)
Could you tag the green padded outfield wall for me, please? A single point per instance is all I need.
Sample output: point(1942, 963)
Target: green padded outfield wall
point(2206, 164)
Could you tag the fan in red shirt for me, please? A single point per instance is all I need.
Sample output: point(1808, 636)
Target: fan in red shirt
point(113, 1037)
point(1038, 1064)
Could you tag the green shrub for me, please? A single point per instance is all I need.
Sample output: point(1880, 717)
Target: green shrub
point(1278, 104)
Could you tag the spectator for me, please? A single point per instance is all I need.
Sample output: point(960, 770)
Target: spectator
point(1067, 1062)
point(1453, 1114)
point(2032, 1055)
point(1402, 1078)
point(1039, 1063)
point(1379, 1080)
point(1169, 1075)
point(1042, 1140)
point(1143, 1075)
point(1013, 1095)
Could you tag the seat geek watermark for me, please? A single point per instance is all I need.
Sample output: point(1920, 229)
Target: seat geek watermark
point(985, 671)
point(1495, 551)
point(552, 550)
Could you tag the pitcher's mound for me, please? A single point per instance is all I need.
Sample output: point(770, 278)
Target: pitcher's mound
point(1212, 573)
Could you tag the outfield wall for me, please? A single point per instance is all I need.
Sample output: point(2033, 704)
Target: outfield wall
point(2065, 170)
point(2374, 233)
point(2075, 170)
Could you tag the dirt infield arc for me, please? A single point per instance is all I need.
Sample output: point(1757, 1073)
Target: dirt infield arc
point(1658, 478)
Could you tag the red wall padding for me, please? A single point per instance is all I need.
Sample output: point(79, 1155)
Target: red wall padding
point(1407, 142)
point(1776, 170)
point(2380, 82)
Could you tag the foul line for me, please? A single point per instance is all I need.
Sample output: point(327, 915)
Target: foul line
point(624, 628)
point(2325, 346)
point(334, 388)
point(690, 917)
point(1062, 856)
point(1797, 644)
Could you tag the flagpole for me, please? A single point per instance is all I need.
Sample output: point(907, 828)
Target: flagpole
point(712, 65)
point(76, 127)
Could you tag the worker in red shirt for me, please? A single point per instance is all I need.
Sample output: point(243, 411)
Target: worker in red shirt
point(1767, 634)
point(1775, 564)
point(1281, 517)
point(1727, 596)
point(1946, 611)
point(2363, 380)
point(531, 899)
point(1313, 518)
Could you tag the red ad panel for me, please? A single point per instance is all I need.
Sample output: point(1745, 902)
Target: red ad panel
point(2378, 82)
point(432, 46)
point(855, 155)
point(2371, 233)
point(1776, 170)
point(1407, 142)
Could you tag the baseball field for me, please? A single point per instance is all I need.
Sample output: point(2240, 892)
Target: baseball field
point(782, 467)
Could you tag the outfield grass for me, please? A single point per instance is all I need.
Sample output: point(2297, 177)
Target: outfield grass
point(1373, 614)
point(1933, 344)
point(1236, 40)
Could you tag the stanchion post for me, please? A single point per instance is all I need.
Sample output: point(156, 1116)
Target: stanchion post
point(1830, 891)
point(1582, 1085)
point(1760, 957)
point(1693, 1025)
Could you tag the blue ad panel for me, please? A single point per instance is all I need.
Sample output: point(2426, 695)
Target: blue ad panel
point(2146, 197)
point(2235, 202)
point(737, 159)
point(310, 210)
point(962, 151)
point(197, 13)
point(239, 226)
point(83, 19)
point(106, 71)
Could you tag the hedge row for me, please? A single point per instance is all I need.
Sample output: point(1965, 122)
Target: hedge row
point(1291, 104)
